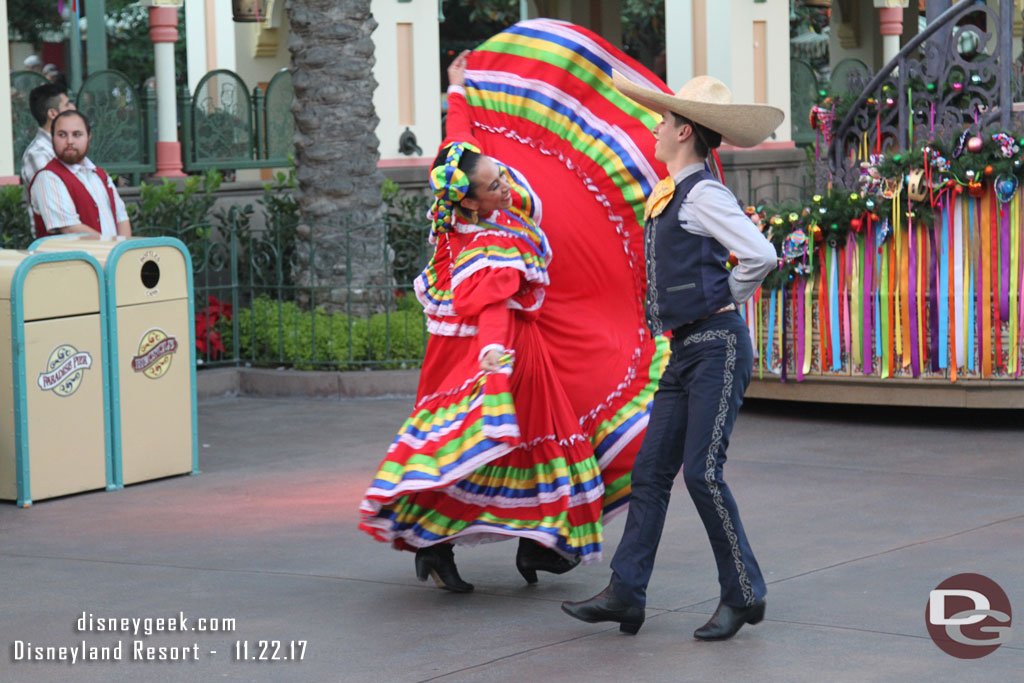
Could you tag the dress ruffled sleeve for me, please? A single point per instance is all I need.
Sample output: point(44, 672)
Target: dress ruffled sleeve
point(489, 280)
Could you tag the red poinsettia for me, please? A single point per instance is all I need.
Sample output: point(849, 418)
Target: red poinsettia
point(208, 339)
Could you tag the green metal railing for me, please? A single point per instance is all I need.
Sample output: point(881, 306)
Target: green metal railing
point(123, 122)
point(283, 314)
point(226, 127)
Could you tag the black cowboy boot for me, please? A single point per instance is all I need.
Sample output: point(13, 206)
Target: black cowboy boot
point(726, 621)
point(438, 561)
point(605, 606)
point(532, 557)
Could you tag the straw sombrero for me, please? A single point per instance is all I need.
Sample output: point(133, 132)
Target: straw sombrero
point(707, 101)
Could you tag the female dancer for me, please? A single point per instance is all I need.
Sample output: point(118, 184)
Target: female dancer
point(493, 448)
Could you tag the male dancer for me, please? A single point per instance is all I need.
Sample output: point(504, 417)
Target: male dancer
point(692, 223)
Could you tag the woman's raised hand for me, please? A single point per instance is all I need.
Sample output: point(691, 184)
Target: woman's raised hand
point(457, 69)
point(491, 362)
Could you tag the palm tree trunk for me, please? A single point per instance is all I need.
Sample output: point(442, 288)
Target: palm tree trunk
point(343, 257)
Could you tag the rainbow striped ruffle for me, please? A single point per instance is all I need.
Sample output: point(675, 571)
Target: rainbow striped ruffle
point(458, 470)
point(503, 253)
point(618, 426)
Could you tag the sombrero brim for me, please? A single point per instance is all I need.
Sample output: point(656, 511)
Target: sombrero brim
point(741, 125)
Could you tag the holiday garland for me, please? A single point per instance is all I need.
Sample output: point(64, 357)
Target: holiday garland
point(910, 182)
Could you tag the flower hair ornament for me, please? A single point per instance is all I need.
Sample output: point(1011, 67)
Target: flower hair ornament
point(450, 184)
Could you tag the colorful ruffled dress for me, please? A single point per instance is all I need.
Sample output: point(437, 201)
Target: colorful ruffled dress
point(544, 449)
point(488, 455)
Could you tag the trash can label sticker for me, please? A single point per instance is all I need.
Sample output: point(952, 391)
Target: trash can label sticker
point(64, 370)
point(155, 351)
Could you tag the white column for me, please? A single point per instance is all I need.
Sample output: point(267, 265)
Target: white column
point(678, 53)
point(7, 176)
point(722, 31)
point(222, 35)
point(403, 99)
point(195, 46)
point(166, 105)
point(163, 31)
point(890, 19)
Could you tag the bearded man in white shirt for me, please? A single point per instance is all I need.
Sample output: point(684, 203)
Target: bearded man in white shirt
point(72, 194)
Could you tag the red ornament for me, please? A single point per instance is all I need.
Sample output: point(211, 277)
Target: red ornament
point(855, 224)
point(988, 170)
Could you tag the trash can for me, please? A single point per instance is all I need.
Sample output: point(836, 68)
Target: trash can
point(54, 424)
point(151, 337)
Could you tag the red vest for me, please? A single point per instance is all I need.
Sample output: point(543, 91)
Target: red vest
point(85, 205)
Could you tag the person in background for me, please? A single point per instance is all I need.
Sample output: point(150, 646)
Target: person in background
point(33, 63)
point(54, 75)
point(72, 194)
point(45, 102)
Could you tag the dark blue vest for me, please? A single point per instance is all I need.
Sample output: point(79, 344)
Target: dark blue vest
point(687, 278)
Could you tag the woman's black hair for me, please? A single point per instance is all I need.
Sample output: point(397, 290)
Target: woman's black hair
point(467, 162)
point(705, 139)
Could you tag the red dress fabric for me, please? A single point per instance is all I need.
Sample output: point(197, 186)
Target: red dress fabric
point(542, 449)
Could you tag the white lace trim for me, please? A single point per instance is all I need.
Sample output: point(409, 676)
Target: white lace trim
point(453, 329)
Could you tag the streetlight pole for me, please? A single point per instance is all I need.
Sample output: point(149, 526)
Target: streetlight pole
point(75, 39)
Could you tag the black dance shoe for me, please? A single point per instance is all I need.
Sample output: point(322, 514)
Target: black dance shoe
point(438, 561)
point(532, 557)
point(726, 621)
point(605, 606)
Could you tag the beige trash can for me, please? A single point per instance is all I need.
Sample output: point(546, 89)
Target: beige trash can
point(151, 332)
point(54, 419)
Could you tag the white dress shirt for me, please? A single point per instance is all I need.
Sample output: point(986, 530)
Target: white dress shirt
point(710, 210)
point(52, 201)
point(38, 154)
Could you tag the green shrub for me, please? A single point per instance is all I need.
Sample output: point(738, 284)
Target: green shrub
point(16, 232)
point(279, 332)
point(163, 210)
point(403, 333)
point(406, 300)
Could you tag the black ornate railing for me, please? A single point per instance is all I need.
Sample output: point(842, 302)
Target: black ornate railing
point(258, 302)
point(951, 76)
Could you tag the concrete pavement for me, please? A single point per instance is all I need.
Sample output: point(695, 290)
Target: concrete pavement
point(855, 515)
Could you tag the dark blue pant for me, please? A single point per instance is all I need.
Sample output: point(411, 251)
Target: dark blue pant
point(692, 417)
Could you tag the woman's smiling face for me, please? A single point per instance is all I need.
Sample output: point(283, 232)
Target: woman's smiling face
point(491, 188)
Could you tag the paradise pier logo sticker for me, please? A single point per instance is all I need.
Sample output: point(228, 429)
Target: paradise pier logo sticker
point(65, 369)
point(968, 616)
point(156, 350)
